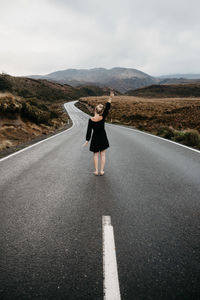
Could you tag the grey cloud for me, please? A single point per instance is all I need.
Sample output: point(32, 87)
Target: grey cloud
point(155, 36)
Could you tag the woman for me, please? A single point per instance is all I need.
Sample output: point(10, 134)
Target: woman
point(99, 141)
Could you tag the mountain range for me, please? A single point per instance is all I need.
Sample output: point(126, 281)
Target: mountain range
point(120, 79)
point(179, 76)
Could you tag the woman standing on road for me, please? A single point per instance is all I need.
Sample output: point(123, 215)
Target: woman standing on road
point(99, 141)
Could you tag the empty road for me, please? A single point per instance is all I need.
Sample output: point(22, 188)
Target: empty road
point(51, 209)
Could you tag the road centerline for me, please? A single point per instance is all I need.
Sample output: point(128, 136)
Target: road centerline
point(111, 281)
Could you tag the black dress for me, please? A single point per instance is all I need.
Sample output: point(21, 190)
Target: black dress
point(99, 141)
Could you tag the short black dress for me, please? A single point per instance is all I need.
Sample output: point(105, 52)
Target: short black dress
point(99, 141)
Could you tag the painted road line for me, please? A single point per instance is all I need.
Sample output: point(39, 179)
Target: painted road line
point(111, 280)
point(155, 136)
point(158, 137)
point(51, 137)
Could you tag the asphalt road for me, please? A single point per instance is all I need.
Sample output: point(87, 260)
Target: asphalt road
point(51, 208)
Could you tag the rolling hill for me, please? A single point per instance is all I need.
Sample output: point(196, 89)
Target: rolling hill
point(121, 79)
point(167, 91)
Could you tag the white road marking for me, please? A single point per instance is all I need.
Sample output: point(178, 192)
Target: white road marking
point(51, 137)
point(111, 280)
point(155, 136)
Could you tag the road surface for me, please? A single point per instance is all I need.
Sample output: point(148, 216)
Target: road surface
point(51, 209)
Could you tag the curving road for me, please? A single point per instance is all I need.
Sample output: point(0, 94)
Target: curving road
point(51, 208)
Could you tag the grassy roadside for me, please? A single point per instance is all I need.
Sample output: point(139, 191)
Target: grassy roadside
point(188, 136)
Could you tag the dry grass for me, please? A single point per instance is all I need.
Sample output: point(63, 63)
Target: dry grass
point(178, 114)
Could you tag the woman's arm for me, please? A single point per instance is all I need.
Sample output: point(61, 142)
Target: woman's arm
point(111, 95)
point(88, 133)
point(89, 130)
point(106, 110)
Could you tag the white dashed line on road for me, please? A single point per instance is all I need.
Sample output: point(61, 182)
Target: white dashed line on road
point(111, 280)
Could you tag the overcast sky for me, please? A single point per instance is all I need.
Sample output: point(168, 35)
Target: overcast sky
point(155, 36)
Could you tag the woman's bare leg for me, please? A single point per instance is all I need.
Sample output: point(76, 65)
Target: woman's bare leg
point(103, 161)
point(96, 156)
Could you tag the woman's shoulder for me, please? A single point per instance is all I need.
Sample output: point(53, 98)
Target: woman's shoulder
point(94, 120)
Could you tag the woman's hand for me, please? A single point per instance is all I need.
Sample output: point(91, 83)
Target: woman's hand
point(111, 94)
point(85, 144)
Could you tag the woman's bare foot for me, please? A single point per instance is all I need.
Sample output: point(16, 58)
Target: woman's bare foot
point(101, 172)
point(95, 173)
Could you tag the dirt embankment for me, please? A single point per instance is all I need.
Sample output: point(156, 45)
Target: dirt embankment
point(22, 121)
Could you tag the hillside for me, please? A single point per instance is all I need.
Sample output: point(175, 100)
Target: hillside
point(166, 91)
point(31, 108)
point(45, 90)
point(121, 79)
